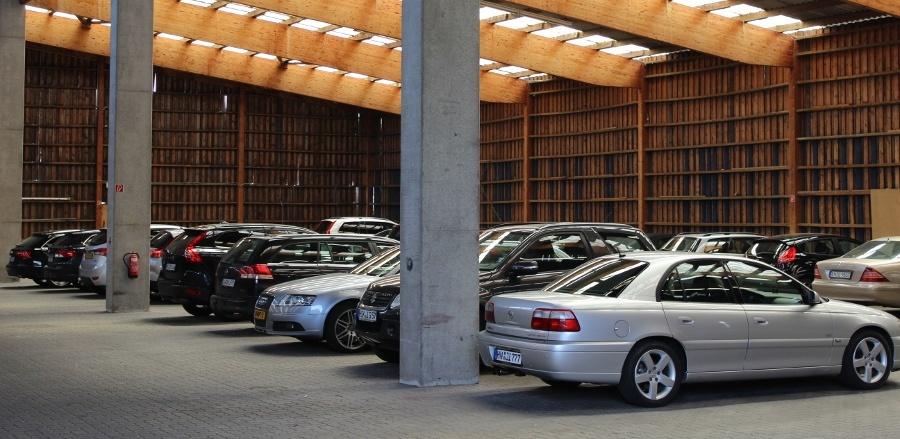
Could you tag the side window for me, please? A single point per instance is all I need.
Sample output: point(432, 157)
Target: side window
point(350, 227)
point(845, 245)
point(818, 246)
point(562, 251)
point(741, 245)
point(762, 285)
point(375, 227)
point(715, 246)
point(382, 246)
point(599, 247)
point(297, 252)
point(624, 243)
point(228, 239)
point(350, 253)
point(700, 281)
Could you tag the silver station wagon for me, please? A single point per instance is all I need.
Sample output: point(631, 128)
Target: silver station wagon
point(649, 322)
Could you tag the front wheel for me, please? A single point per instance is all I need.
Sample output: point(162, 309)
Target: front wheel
point(867, 361)
point(339, 333)
point(652, 374)
point(388, 356)
point(197, 310)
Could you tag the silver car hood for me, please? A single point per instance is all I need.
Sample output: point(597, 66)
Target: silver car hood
point(322, 284)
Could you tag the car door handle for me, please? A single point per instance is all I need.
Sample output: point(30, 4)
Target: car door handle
point(686, 320)
point(760, 321)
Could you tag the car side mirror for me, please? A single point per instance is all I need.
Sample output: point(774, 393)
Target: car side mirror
point(810, 297)
point(523, 268)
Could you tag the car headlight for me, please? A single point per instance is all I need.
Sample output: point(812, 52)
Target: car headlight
point(395, 303)
point(295, 300)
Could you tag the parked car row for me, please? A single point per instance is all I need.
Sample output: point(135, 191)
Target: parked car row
point(569, 303)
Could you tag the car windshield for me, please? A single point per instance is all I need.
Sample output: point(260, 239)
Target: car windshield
point(163, 238)
point(495, 247)
point(34, 241)
point(97, 239)
point(884, 250)
point(679, 244)
point(381, 265)
point(607, 278)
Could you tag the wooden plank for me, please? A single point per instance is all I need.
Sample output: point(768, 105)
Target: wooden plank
point(891, 7)
point(242, 156)
point(100, 154)
point(641, 159)
point(793, 147)
point(526, 161)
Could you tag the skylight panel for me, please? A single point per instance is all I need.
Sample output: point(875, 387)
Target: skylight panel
point(327, 69)
point(65, 15)
point(695, 3)
point(512, 70)
point(486, 62)
point(520, 23)
point(203, 43)
point(310, 24)
point(356, 75)
point(777, 20)
point(344, 32)
point(487, 12)
point(556, 32)
point(737, 10)
point(36, 9)
point(202, 3)
point(267, 56)
point(378, 40)
point(590, 40)
point(235, 49)
point(627, 48)
point(388, 82)
point(237, 8)
point(805, 29)
point(274, 17)
point(170, 36)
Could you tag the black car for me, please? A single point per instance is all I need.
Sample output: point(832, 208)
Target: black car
point(189, 262)
point(511, 258)
point(27, 259)
point(63, 256)
point(157, 243)
point(797, 254)
point(258, 262)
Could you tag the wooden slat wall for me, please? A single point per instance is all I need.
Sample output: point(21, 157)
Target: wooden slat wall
point(502, 140)
point(60, 137)
point(384, 198)
point(716, 146)
point(849, 115)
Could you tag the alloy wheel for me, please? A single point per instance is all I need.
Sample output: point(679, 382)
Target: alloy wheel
point(655, 374)
point(870, 360)
point(344, 333)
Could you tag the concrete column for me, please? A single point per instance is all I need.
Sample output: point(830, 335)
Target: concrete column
point(12, 123)
point(130, 131)
point(439, 193)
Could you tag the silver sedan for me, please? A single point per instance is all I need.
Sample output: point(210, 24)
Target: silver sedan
point(322, 307)
point(650, 322)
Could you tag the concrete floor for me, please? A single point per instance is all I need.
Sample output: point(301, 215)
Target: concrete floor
point(68, 369)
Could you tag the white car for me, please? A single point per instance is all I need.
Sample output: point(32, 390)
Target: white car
point(92, 270)
point(359, 225)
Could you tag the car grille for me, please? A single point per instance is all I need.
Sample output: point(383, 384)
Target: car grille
point(376, 299)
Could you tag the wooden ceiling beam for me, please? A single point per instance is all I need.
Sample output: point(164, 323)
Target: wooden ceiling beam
point(176, 55)
point(680, 25)
point(891, 7)
point(285, 41)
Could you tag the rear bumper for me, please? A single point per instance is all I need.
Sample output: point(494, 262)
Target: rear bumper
point(184, 294)
point(96, 273)
point(61, 273)
point(226, 305)
point(599, 362)
point(886, 294)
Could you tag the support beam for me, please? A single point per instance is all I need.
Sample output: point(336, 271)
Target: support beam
point(284, 42)
point(497, 43)
point(176, 55)
point(130, 153)
point(526, 161)
point(241, 155)
point(439, 193)
point(100, 133)
point(12, 123)
point(680, 25)
point(793, 149)
point(891, 7)
point(641, 162)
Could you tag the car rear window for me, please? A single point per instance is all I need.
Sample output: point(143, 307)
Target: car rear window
point(243, 251)
point(34, 241)
point(97, 239)
point(765, 249)
point(882, 250)
point(161, 239)
point(72, 239)
point(181, 242)
point(607, 278)
point(679, 244)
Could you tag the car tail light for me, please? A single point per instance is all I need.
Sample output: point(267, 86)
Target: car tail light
point(788, 256)
point(67, 253)
point(555, 320)
point(872, 275)
point(816, 273)
point(190, 253)
point(255, 271)
point(156, 253)
point(330, 226)
point(23, 254)
point(489, 312)
point(192, 292)
point(101, 251)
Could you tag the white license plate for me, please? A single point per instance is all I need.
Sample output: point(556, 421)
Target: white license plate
point(170, 267)
point(227, 282)
point(509, 357)
point(838, 274)
point(366, 315)
point(89, 255)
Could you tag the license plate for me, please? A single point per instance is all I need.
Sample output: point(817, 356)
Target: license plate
point(366, 315)
point(259, 315)
point(227, 282)
point(89, 255)
point(509, 357)
point(170, 267)
point(839, 274)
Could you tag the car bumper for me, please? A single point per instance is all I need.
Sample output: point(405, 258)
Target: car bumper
point(383, 333)
point(96, 273)
point(599, 362)
point(885, 294)
point(299, 321)
point(224, 305)
point(61, 273)
point(21, 270)
point(184, 294)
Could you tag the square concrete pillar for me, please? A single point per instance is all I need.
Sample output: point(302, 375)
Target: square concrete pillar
point(130, 138)
point(439, 193)
point(12, 123)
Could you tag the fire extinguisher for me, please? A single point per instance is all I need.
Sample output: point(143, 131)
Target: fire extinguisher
point(131, 262)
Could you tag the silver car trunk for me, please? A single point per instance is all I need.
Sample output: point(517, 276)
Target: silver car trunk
point(513, 312)
point(837, 270)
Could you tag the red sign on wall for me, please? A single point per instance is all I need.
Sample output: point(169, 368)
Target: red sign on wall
point(120, 187)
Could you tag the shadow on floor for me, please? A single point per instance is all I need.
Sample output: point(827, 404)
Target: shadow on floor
point(84, 295)
point(23, 287)
point(236, 332)
point(376, 370)
point(185, 320)
point(295, 348)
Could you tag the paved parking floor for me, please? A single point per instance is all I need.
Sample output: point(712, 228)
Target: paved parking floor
point(68, 369)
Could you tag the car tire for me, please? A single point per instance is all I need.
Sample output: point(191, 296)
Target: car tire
point(561, 384)
point(339, 334)
point(387, 355)
point(196, 310)
point(42, 282)
point(652, 374)
point(59, 283)
point(867, 351)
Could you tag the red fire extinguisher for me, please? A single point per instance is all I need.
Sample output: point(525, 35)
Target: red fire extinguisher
point(131, 262)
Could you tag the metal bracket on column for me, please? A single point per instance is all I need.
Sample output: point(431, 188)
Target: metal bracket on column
point(85, 22)
point(283, 63)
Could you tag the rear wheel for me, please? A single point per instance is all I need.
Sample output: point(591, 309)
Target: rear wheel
point(388, 356)
point(867, 361)
point(197, 310)
point(561, 384)
point(652, 374)
point(42, 282)
point(59, 283)
point(339, 333)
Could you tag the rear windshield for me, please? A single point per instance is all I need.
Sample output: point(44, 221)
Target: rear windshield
point(97, 239)
point(323, 226)
point(34, 241)
point(244, 250)
point(381, 265)
point(883, 250)
point(607, 278)
point(71, 240)
point(495, 247)
point(679, 244)
point(764, 248)
point(181, 242)
point(163, 238)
